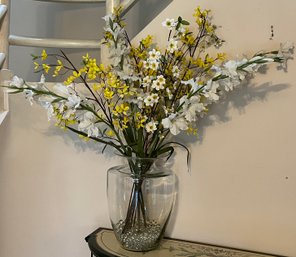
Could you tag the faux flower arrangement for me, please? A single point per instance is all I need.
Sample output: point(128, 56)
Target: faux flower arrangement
point(147, 93)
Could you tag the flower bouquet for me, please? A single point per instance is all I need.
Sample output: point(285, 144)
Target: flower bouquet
point(147, 95)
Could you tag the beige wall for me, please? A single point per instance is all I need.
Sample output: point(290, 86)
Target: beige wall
point(242, 188)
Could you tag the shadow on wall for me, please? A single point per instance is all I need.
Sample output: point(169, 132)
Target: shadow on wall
point(238, 100)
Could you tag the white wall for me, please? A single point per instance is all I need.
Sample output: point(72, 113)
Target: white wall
point(242, 188)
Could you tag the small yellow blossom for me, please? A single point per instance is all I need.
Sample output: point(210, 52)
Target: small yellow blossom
point(98, 86)
point(58, 68)
point(146, 42)
point(45, 67)
point(85, 58)
point(76, 74)
point(108, 94)
point(192, 131)
point(200, 15)
point(110, 133)
point(69, 80)
point(36, 65)
point(221, 56)
point(43, 55)
point(124, 122)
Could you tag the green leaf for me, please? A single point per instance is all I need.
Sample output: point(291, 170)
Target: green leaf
point(185, 22)
point(188, 160)
point(104, 148)
point(111, 23)
point(168, 149)
point(34, 57)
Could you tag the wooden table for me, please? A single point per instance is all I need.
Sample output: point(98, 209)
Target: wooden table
point(102, 243)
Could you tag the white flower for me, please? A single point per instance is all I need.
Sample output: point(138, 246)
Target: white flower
point(154, 55)
point(167, 122)
point(150, 100)
point(146, 64)
point(159, 83)
point(176, 71)
point(169, 23)
point(227, 84)
point(17, 82)
point(181, 31)
point(116, 53)
point(184, 101)
point(73, 101)
point(139, 102)
point(108, 17)
point(211, 91)
point(151, 126)
point(194, 108)
point(46, 102)
point(68, 92)
point(170, 95)
point(231, 67)
point(42, 79)
point(174, 124)
point(193, 83)
point(178, 125)
point(172, 46)
point(146, 81)
point(62, 90)
point(153, 65)
point(88, 124)
point(29, 94)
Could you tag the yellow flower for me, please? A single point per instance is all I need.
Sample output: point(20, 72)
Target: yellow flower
point(192, 131)
point(221, 56)
point(58, 68)
point(43, 55)
point(123, 91)
point(108, 94)
point(45, 67)
point(122, 108)
point(124, 122)
point(36, 65)
point(140, 120)
point(209, 27)
point(97, 87)
point(200, 15)
point(85, 58)
point(76, 74)
point(146, 42)
point(110, 133)
point(69, 80)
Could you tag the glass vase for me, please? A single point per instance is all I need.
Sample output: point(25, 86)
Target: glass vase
point(141, 196)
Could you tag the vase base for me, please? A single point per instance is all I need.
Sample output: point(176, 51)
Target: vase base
point(143, 237)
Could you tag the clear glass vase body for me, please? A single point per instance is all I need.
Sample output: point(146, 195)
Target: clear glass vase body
point(141, 196)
